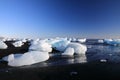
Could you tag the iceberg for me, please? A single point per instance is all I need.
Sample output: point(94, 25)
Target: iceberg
point(3, 45)
point(52, 41)
point(103, 60)
point(15, 55)
point(8, 39)
point(69, 51)
point(18, 44)
point(108, 41)
point(61, 45)
point(27, 58)
point(82, 40)
point(114, 42)
point(41, 46)
point(78, 48)
point(24, 40)
point(100, 41)
point(74, 40)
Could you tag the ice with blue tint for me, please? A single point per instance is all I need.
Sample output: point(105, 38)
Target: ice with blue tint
point(27, 58)
point(61, 45)
point(108, 41)
point(114, 42)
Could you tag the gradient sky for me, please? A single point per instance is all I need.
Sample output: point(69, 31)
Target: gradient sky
point(52, 18)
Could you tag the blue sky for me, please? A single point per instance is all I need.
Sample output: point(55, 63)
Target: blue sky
point(52, 18)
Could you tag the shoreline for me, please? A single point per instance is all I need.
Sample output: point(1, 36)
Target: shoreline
point(92, 70)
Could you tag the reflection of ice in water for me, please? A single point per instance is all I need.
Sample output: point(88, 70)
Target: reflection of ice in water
point(81, 59)
point(70, 61)
point(78, 59)
point(41, 64)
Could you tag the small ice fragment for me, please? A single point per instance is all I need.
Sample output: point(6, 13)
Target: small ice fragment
point(73, 73)
point(103, 60)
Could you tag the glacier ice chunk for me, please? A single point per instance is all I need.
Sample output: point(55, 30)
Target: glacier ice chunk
point(82, 40)
point(100, 41)
point(61, 45)
point(18, 44)
point(78, 48)
point(69, 51)
point(41, 45)
point(114, 42)
point(3, 45)
point(28, 58)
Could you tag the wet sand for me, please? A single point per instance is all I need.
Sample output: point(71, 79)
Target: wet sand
point(91, 71)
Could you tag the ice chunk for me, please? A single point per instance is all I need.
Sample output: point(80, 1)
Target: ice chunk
point(28, 39)
point(78, 48)
point(3, 45)
point(73, 73)
point(18, 43)
point(114, 42)
point(52, 41)
point(103, 60)
point(24, 40)
point(3, 39)
point(40, 46)
point(11, 57)
point(69, 39)
point(28, 58)
point(8, 39)
point(15, 55)
point(100, 41)
point(69, 51)
point(14, 39)
point(108, 41)
point(82, 40)
point(74, 40)
point(61, 45)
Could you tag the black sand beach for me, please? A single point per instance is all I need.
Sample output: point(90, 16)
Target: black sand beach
point(65, 68)
point(87, 71)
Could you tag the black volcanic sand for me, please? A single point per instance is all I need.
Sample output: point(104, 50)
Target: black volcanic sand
point(91, 71)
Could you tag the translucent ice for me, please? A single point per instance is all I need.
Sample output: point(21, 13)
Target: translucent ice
point(69, 51)
point(27, 58)
point(78, 48)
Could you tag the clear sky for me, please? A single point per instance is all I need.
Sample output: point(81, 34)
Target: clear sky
point(52, 18)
